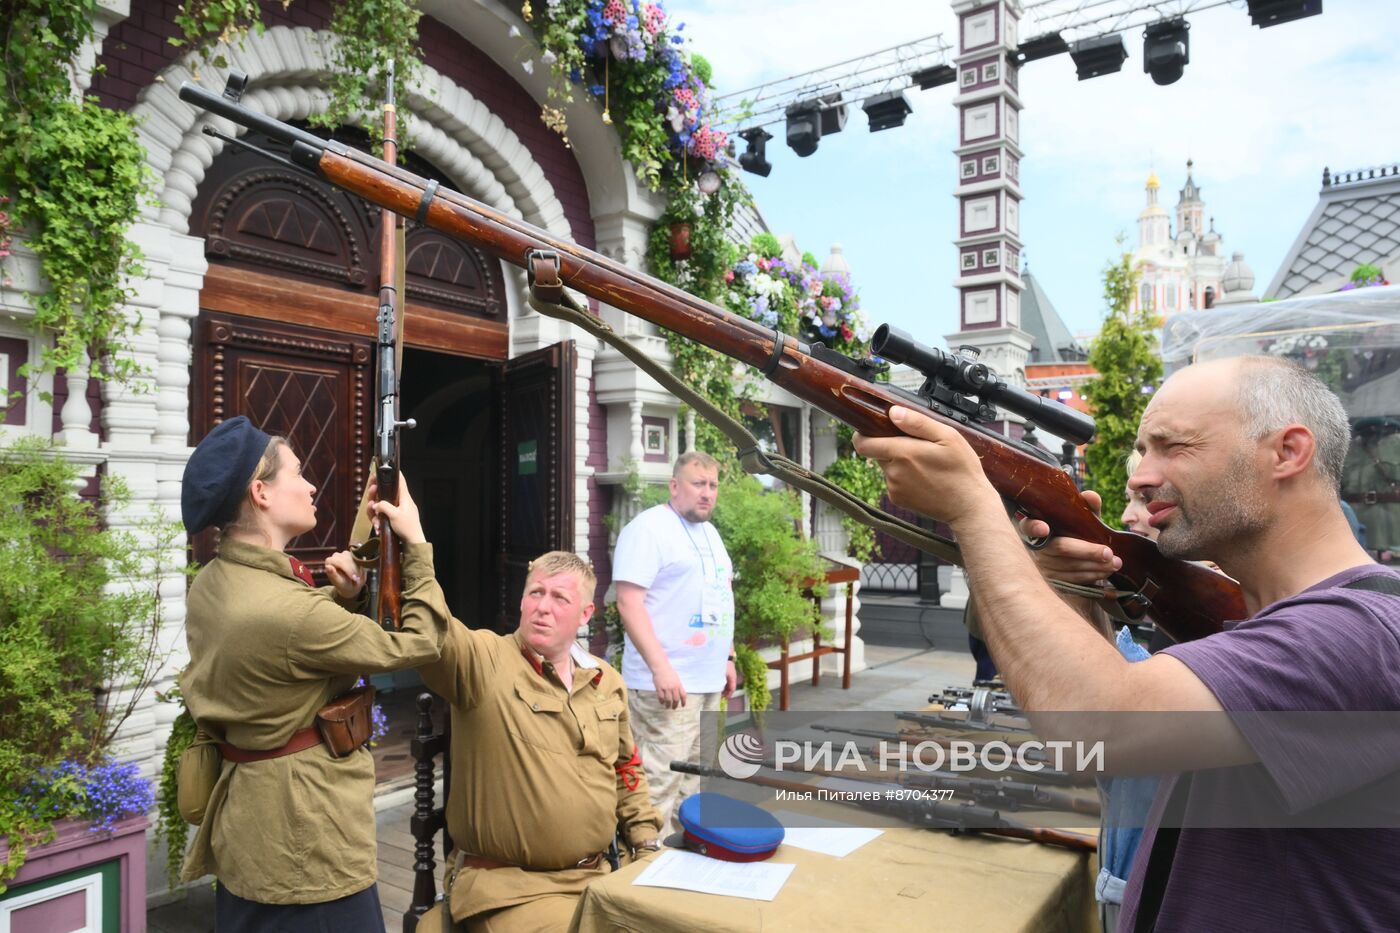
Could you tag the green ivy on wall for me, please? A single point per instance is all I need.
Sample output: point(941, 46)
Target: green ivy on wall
point(75, 178)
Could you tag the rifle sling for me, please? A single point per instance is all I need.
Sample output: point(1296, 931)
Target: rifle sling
point(754, 460)
point(542, 297)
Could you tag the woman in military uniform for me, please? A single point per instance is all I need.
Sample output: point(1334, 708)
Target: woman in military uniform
point(288, 829)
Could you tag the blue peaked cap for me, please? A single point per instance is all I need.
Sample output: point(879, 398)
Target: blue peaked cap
point(219, 472)
point(725, 828)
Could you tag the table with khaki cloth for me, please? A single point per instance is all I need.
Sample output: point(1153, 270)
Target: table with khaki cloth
point(905, 879)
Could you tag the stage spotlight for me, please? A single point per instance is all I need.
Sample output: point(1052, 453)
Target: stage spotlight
point(886, 111)
point(1052, 43)
point(933, 77)
point(804, 128)
point(833, 114)
point(1100, 55)
point(753, 159)
point(1166, 50)
point(1263, 13)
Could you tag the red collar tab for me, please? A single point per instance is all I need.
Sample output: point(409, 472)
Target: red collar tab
point(300, 571)
point(533, 658)
point(598, 677)
point(628, 770)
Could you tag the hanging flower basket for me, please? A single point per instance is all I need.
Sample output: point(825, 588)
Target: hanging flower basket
point(680, 241)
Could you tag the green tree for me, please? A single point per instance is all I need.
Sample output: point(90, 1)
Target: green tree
point(1126, 359)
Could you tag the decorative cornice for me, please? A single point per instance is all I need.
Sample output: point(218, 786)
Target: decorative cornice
point(287, 69)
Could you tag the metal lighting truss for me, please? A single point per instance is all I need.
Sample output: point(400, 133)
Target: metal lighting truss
point(895, 68)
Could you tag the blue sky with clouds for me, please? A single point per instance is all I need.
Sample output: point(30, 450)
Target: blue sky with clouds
point(1261, 111)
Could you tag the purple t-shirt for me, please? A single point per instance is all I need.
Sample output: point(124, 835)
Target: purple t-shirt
point(1329, 648)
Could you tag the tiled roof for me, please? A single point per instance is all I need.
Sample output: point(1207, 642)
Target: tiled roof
point(1052, 341)
point(747, 224)
point(1353, 223)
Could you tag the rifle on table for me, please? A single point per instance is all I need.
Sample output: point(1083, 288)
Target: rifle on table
point(929, 814)
point(997, 722)
point(1007, 792)
point(1186, 600)
point(1044, 774)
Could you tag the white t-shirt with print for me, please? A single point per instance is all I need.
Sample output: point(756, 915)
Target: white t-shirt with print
point(689, 582)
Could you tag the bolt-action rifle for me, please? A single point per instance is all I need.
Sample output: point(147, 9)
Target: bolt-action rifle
point(927, 813)
point(1188, 601)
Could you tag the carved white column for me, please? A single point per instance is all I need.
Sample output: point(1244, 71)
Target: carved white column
point(689, 430)
point(635, 451)
point(76, 415)
point(107, 14)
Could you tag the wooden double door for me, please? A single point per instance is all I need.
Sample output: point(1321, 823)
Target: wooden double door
point(285, 336)
point(490, 463)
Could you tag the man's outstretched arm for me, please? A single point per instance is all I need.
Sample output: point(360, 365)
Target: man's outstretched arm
point(1049, 658)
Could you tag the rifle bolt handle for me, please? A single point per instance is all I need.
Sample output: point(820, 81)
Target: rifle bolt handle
point(410, 424)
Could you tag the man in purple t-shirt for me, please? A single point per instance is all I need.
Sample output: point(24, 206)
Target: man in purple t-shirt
point(1242, 461)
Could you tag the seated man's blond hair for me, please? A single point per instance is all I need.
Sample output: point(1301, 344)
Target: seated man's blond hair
point(557, 562)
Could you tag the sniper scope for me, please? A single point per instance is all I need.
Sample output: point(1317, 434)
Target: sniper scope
point(954, 376)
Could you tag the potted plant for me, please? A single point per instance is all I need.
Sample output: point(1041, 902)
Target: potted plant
point(773, 562)
point(79, 644)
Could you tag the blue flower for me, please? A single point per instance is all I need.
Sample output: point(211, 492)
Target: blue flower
point(596, 90)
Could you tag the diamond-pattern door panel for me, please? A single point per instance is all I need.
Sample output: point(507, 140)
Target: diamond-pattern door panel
point(309, 386)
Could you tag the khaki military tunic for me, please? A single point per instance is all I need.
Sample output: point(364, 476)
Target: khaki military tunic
point(266, 652)
point(539, 772)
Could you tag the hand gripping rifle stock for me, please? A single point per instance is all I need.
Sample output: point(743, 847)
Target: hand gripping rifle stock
point(1187, 600)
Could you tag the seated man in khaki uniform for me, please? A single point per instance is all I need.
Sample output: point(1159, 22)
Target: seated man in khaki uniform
point(544, 769)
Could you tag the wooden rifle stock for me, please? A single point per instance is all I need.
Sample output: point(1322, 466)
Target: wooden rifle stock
point(1187, 600)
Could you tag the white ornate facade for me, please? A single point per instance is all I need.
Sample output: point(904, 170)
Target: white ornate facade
point(1181, 270)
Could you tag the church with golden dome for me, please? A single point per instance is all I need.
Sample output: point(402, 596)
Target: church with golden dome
point(1183, 264)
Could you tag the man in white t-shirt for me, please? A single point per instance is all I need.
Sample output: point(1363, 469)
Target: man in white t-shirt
point(675, 595)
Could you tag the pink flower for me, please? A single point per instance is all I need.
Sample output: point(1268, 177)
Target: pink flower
point(653, 19)
point(615, 12)
point(729, 276)
point(764, 264)
point(846, 333)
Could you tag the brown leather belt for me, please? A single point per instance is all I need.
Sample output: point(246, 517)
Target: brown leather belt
point(301, 740)
point(480, 861)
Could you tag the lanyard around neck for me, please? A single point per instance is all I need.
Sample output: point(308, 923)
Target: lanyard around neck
point(691, 538)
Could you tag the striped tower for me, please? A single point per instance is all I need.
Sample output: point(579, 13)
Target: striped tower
point(988, 192)
point(989, 201)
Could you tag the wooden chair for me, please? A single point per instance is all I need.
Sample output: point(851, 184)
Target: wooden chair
point(427, 818)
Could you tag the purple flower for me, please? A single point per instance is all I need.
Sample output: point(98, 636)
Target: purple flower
point(103, 793)
point(379, 724)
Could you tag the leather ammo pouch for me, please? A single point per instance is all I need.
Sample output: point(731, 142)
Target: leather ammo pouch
point(345, 723)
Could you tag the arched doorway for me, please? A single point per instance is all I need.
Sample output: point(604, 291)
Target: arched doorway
point(285, 336)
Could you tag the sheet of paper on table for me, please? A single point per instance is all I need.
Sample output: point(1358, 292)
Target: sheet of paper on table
point(690, 871)
point(829, 839)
